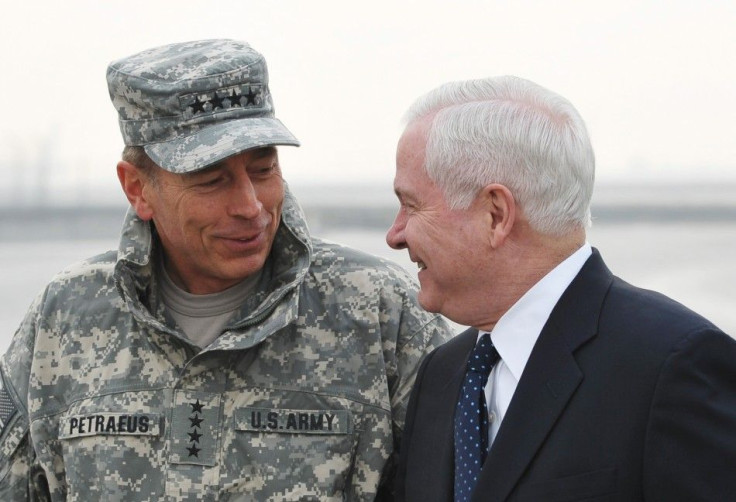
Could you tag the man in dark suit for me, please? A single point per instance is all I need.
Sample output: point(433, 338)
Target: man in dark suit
point(597, 390)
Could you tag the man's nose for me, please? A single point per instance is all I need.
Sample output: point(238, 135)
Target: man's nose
point(395, 235)
point(244, 198)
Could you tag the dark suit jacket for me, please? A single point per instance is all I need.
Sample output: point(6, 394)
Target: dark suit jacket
point(627, 396)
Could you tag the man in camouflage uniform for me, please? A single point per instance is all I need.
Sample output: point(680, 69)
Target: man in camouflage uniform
point(221, 353)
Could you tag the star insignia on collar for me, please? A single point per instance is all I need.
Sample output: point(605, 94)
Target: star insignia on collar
point(196, 407)
point(194, 436)
point(196, 421)
point(194, 451)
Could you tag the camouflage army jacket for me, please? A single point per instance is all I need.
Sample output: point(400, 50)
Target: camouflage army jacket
point(302, 397)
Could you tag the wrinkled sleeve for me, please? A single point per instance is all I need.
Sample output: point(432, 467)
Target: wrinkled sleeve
point(691, 439)
point(425, 332)
point(14, 451)
point(17, 457)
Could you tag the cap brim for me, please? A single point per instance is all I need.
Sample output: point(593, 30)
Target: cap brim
point(219, 141)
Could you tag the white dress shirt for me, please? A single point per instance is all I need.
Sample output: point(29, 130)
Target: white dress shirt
point(515, 334)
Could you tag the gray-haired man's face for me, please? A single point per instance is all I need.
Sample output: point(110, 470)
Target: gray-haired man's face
point(446, 244)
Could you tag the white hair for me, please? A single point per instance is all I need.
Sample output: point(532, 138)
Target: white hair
point(510, 131)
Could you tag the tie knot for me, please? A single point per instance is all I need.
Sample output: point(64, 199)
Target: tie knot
point(483, 357)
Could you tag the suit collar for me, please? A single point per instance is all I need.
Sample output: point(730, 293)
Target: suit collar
point(517, 331)
point(579, 308)
point(548, 381)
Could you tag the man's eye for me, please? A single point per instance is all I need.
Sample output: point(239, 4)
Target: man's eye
point(262, 170)
point(212, 182)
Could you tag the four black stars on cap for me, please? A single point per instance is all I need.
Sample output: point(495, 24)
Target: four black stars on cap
point(216, 101)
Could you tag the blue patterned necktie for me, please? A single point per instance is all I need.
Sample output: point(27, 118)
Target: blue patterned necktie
point(471, 419)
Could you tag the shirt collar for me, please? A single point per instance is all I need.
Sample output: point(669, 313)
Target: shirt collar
point(516, 332)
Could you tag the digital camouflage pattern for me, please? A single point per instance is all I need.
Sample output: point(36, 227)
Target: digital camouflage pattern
point(302, 397)
point(192, 104)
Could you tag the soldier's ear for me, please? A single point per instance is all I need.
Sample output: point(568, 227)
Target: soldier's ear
point(133, 181)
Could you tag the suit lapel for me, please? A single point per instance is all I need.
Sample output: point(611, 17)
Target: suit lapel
point(549, 380)
point(544, 390)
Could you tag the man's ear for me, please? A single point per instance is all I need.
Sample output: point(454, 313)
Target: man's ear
point(501, 207)
point(134, 181)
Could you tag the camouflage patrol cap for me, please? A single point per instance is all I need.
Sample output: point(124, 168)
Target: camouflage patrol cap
point(193, 104)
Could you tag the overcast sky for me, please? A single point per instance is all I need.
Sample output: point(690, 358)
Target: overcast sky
point(654, 80)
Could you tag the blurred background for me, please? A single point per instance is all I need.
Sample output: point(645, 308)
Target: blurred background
point(653, 80)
